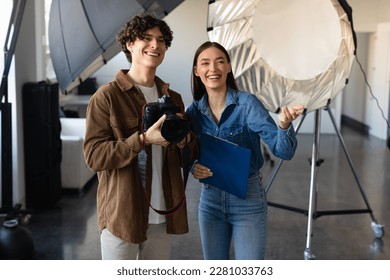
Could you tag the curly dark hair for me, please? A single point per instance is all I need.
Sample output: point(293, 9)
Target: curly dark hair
point(137, 27)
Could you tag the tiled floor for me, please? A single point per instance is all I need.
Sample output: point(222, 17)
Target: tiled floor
point(69, 230)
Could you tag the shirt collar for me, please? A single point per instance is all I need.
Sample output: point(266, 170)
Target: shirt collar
point(125, 83)
point(231, 98)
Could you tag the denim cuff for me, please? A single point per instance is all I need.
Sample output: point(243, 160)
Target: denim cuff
point(193, 166)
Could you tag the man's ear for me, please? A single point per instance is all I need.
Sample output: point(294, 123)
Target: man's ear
point(129, 46)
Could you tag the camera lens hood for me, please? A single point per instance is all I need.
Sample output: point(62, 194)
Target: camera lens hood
point(175, 129)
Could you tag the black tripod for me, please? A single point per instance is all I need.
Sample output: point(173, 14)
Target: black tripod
point(312, 213)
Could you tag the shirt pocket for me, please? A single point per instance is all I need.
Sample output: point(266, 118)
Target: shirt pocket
point(232, 133)
point(124, 127)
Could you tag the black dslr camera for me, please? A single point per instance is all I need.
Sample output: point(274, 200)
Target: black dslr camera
point(174, 128)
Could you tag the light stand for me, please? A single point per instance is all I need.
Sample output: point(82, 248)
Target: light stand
point(6, 112)
point(312, 213)
point(15, 241)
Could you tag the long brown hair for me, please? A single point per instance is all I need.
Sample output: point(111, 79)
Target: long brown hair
point(198, 88)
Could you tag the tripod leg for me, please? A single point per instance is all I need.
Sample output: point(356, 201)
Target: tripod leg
point(377, 228)
point(313, 186)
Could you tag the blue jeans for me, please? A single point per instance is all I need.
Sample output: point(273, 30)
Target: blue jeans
point(224, 218)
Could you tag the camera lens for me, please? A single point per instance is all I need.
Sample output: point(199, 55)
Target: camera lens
point(174, 129)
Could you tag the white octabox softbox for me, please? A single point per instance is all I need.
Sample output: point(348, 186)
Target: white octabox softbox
point(286, 52)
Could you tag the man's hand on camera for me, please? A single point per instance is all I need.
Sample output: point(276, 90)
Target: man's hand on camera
point(153, 134)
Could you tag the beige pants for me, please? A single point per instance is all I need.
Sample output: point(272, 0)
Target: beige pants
point(156, 247)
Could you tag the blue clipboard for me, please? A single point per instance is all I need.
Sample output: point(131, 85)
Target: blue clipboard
point(228, 162)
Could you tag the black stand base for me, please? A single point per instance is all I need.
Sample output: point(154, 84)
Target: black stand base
point(16, 213)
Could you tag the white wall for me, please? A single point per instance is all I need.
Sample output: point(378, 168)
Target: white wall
point(358, 103)
point(368, 13)
point(189, 24)
point(354, 93)
point(379, 79)
point(372, 22)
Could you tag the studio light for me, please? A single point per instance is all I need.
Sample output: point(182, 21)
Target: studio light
point(286, 52)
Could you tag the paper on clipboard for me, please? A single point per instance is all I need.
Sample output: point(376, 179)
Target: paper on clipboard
point(228, 162)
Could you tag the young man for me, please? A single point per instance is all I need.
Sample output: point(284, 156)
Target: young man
point(136, 169)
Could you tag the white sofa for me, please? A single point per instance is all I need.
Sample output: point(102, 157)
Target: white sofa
point(74, 171)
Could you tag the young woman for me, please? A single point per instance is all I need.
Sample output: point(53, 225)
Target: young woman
point(221, 109)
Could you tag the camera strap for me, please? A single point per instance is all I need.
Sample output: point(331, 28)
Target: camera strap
point(186, 171)
point(142, 130)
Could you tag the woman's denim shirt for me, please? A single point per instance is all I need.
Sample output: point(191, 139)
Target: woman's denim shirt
point(246, 122)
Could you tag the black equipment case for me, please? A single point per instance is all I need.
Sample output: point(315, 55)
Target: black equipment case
point(42, 143)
